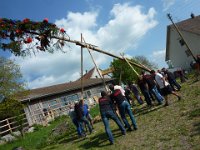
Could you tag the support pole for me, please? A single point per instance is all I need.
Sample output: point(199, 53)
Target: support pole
point(97, 68)
point(180, 34)
point(120, 76)
point(130, 65)
point(81, 68)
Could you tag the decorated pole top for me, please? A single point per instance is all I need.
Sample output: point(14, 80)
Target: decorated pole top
point(19, 37)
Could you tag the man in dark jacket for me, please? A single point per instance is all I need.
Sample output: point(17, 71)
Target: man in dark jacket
point(80, 116)
point(171, 78)
point(123, 107)
point(107, 111)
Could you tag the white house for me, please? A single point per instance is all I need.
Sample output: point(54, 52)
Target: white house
point(177, 54)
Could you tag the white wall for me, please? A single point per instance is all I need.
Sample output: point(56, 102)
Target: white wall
point(177, 52)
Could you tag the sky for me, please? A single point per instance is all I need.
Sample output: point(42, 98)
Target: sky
point(132, 27)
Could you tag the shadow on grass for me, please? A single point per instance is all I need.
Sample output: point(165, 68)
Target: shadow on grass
point(146, 109)
point(100, 140)
point(194, 114)
point(69, 139)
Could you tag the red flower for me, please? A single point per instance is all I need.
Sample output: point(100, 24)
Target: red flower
point(18, 31)
point(62, 30)
point(45, 20)
point(26, 20)
point(29, 40)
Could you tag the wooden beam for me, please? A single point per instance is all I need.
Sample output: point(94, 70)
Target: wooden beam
point(94, 48)
point(130, 65)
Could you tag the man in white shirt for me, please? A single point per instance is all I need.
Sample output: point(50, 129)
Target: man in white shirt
point(165, 87)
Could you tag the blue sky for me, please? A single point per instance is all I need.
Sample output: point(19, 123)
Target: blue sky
point(135, 27)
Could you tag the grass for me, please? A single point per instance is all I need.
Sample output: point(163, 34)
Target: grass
point(174, 127)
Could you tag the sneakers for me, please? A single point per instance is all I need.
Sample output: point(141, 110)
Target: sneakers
point(111, 142)
point(166, 104)
point(129, 129)
point(179, 97)
point(124, 133)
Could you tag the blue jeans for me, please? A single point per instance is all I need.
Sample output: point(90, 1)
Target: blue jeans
point(105, 118)
point(157, 95)
point(84, 120)
point(123, 108)
point(147, 97)
point(139, 99)
point(174, 83)
point(79, 127)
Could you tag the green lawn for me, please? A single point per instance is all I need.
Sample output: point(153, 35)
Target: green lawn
point(176, 126)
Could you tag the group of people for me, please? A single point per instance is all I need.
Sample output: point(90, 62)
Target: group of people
point(81, 118)
point(158, 85)
point(116, 103)
point(109, 103)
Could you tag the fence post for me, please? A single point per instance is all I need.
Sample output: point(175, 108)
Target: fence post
point(9, 125)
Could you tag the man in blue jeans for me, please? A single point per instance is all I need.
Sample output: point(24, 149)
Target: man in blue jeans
point(123, 106)
point(80, 116)
point(150, 81)
point(107, 111)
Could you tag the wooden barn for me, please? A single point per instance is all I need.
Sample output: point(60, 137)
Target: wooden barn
point(46, 103)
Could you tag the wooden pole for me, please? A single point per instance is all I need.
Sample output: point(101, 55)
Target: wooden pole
point(180, 34)
point(97, 68)
point(7, 121)
point(130, 65)
point(81, 68)
point(120, 76)
point(91, 47)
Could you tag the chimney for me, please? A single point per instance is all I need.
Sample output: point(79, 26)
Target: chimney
point(192, 15)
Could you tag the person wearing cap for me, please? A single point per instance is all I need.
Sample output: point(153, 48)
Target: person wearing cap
point(123, 106)
point(107, 112)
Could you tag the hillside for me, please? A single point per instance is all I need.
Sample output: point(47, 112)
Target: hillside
point(176, 126)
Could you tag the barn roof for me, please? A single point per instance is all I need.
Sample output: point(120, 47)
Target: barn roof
point(62, 88)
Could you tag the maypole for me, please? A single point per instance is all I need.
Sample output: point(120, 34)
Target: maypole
point(81, 68)
point(96, 67)
point(23, 32)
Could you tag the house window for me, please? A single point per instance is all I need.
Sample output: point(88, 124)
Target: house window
point(53, 104)
point(89, 94)
point(72, 98)
point(64, 101)
point(45, 104)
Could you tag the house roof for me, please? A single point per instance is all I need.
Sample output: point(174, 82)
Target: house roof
point(88, 75)
point(191, 25)
point(61, 88)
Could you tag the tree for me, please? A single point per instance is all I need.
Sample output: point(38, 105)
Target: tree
point(20, 37)
point(124, 71)
point(143, 60)
point(10, 87)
